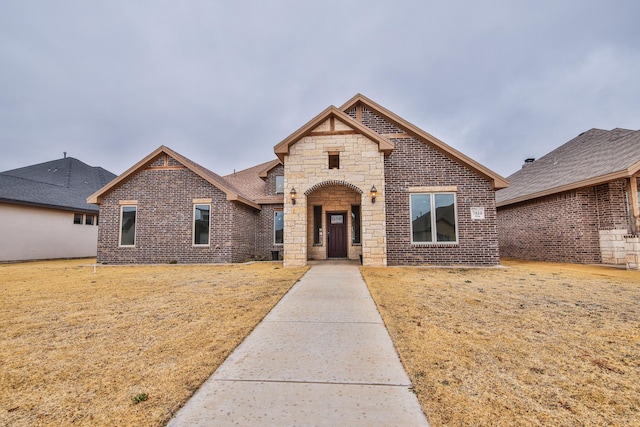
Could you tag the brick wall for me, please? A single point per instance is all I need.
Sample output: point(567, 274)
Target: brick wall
point(415, 164)
point(612, 206)
point(164, 220)
point(270, 182)
point(264, 232)
point(552, 228)
point(243, 232)
point(564, 227)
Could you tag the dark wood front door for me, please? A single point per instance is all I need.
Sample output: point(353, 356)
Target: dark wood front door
point(337, 235)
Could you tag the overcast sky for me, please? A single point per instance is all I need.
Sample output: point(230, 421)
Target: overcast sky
point(222, 82)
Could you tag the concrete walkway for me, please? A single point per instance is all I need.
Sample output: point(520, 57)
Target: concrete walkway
point(321, 357)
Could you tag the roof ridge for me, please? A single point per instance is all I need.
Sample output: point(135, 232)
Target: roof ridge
point(32, 180)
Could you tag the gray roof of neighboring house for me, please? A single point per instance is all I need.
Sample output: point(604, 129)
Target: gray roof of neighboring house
point(592, 158)
point(62, 184)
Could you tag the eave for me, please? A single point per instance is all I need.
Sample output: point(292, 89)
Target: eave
point(282, 149)
point(598, 180)
point(497, 181)
point(231, 194)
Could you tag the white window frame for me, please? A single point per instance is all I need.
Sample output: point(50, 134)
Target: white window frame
point(193, 228)
point(275, 215)
point(135, 230)
point(434, 230)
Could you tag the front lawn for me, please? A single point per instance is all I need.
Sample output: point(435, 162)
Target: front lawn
point(126, 345)
point(532, 344)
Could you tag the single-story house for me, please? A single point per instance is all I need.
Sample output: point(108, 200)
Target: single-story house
point(355, 182)
point(579, 203)
point(44, 210)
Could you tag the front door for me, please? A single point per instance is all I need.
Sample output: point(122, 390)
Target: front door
point(337, 235)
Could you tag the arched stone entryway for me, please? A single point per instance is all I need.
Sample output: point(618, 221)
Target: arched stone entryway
point(334, 221)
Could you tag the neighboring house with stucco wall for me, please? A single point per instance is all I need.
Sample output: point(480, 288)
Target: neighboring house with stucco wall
point(578, 204)
point(44, 211)
point(355, 182)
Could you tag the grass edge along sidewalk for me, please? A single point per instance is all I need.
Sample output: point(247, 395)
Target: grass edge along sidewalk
point(127, 345)
point(533, 344)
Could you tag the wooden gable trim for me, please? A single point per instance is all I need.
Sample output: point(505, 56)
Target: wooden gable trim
point(283, 147)
point(633, 203)
point(360, 100)
point(98, 196)
point(333, 133)
point(264, 174)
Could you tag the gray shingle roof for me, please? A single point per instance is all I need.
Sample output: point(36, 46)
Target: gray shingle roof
point(593, 157)
point(64, 184)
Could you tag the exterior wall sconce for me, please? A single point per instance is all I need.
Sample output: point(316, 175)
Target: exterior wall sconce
point(373, 193)
point(293, 194)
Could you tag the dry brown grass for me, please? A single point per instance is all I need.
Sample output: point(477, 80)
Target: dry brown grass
point(78, 347)
point(533, 344)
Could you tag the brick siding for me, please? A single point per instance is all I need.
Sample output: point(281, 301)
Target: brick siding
point(270, 182)
point(164, 221)
point(562, 227)
point(416, 164)
point(264, 232)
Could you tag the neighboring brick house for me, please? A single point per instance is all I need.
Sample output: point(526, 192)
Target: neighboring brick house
point(579, 203)
point(355, 182)
point(44, 210)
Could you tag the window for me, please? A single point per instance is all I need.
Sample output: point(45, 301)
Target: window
point(278, 227)
point(429, 228)
point(88, 220)
point(317, 225)
point(128, 226)
point(355, 224)
point(334, 161)
point(77, 218)
point(201, 224)
point(279, 184)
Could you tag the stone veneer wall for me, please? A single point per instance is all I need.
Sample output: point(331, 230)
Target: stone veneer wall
point(415, 164)
point(332, 199)
point(164, 222)
point(361, 165)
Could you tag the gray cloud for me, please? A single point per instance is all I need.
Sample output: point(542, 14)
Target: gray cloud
point(223, 82)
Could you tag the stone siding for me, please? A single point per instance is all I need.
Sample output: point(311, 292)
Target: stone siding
point(361, 166)
point(332, 198)
point(164, 221)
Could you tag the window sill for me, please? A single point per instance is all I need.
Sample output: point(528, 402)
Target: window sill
point(435, 244)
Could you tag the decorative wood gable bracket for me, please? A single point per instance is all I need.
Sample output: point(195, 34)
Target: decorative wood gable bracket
point(332, 114)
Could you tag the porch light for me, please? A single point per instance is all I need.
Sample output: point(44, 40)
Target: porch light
point(293, 193)
point(373, 193)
